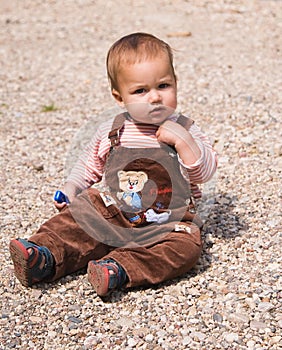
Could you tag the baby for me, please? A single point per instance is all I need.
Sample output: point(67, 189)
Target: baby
point(159, 154)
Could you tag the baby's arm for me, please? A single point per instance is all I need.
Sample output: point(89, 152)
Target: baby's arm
point(205, 162)
point(87, 170)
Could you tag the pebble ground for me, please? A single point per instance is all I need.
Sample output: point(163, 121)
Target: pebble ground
point(53, 85)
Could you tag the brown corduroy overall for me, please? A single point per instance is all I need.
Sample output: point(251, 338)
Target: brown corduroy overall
point(140, 218)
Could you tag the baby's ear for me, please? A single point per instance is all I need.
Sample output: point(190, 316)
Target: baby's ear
point(117, 97)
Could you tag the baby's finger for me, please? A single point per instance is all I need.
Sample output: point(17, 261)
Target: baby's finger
point(60, 206)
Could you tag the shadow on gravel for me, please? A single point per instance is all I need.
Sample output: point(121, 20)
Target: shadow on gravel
point(223, 223)
point(223, 220)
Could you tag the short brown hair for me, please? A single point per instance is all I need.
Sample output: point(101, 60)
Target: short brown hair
point(134, 48)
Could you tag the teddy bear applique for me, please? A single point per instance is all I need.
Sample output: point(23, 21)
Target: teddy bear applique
point(131, 184)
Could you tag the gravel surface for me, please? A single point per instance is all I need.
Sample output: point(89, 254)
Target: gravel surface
point(53, 87)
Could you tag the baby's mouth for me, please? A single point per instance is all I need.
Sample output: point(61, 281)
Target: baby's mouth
point(157, 109)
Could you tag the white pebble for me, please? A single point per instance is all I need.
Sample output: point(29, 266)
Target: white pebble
point(149, 338)
point(132, 342)
point(231, 337)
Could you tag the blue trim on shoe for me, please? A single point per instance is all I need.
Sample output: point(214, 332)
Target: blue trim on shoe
point(118, 278)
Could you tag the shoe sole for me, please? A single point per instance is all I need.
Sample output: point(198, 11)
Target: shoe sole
point(20, 256)
point(98, 276)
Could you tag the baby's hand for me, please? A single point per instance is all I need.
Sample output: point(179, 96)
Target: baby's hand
point(177, 136)
point(171, 133)
point(60, 206)
point(60, 200)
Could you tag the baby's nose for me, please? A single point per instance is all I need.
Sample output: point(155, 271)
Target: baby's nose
point(154, 96)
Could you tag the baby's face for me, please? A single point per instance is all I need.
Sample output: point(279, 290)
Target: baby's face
point(148, 90)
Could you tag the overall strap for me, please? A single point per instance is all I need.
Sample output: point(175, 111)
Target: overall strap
point(186, 122)
point(116, 127)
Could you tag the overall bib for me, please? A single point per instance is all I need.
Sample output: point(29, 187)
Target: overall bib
point(140, 216)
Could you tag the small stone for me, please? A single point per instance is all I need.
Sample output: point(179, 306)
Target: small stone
point(231, 337)
point(52, 334)
point(139, 332)
point(238, 318)
point(243, 154)
point(132, 342)
point(198, 336)
point(217, 317)
point(192, 311)
point(149, 338)
point(275, 340)
point(277, 149)
point(203, 83)
point(90, 341)
point(251, 303)
point(38, 166)
point(194, 292)
point(125, 321)
point(194, 320)
point(247, 139)
point(35, 319)
point(179, 34)
point(31, 344)
point(238, 244)
point(161, 333)
point(257, 325)
point(265, 306)
point(74, 319)
point(73, 331)
point(186, 340)
point(251, 344)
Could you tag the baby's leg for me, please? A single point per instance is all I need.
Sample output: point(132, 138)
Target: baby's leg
point(65, 237)
point(166, 259)
point(70, 245)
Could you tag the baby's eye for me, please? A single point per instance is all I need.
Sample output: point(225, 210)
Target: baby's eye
point(139, 91)
point(163, 86)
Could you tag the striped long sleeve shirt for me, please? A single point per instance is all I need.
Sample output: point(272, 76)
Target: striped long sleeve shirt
point(89, 168)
